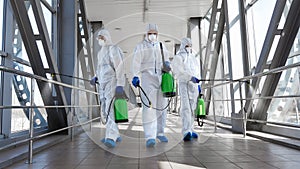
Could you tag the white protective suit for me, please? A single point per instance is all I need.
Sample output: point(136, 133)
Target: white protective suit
point(147, 64)
point(110, 70)
point(186, 66)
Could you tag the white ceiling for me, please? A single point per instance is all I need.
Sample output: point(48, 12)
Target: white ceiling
point(128, 15)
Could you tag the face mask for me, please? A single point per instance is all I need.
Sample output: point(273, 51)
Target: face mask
point(188, 50)
point(101, 42)
point(152, 37)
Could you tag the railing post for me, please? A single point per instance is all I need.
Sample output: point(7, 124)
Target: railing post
point(31, 114)
point(242, 110)
point(214, 110)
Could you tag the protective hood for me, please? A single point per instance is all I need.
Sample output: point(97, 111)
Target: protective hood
point(184, 42)
point(106, 34)
point(150, 27)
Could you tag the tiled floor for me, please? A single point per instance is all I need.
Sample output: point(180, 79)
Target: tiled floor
point(216, 150)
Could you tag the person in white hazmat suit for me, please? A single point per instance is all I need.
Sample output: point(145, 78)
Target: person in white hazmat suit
point(110, 70)
point(147, 63)
point(188, 73)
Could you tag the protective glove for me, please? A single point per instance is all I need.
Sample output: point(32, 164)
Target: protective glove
point(135, 81)
point(195, 80)
point(199, 88)
point(166, 67)
point(94, 80)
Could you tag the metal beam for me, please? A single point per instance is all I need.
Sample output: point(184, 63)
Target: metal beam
point(6, 87)
point(217, 47)
point(56, 118)
point(210, 37)
point(286, 41)
point(260, 66)
point(244, 42)
point(229, 54)
point(86, 37)
point(86, 60)
point(48, 6)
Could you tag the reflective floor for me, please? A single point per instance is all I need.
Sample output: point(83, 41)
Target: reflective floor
point(217, 150)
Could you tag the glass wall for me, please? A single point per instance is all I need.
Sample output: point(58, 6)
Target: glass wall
point(286, 110)
point(21, 85)
point(258, 17)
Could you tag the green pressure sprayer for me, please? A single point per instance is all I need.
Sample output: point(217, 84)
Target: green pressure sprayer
point(200, 110)
point(120, 108)
point(167, 84)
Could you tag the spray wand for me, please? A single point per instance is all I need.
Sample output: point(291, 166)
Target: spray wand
point(150, 104)
point(74, 77)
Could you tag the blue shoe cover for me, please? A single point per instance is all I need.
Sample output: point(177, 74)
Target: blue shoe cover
point(162, 138)
point(110, 143)
point(187, 137)
point(194, 135)
point(119, 139)
point(150, 143)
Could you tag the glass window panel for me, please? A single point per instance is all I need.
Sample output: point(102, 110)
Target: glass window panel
point(286, 110)
point(273, 49)
point(233, 10)
point(49, 2)
point(80, 99)
point(284, 16)
point(48, 20)
point(22, 87)
point(236, 51)
point(33, 21)
point(42, 53)
point(257, 17)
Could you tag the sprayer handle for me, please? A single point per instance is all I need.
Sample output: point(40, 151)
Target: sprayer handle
point(199, 89)
point(135, 81)
point(166, 67)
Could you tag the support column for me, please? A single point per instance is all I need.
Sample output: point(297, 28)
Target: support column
point(67, 26)
point(244, 43)
point(6, 89)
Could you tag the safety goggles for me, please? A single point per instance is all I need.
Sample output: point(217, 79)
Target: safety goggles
point(152, 33)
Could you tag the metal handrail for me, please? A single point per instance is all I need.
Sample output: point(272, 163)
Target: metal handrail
point(67, 106)
point(31, 137)
point(29, 75)
point(256, 98)
point(246, 78)
point(46, 134)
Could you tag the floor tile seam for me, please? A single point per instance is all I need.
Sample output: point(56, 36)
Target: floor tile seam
point(271, 164)
point(108, 163)
point(253, 156)
point(265, 162)
point(198, 160)
point(229, 160)
point(169, 161)
point(268, 164)
point(84, 158)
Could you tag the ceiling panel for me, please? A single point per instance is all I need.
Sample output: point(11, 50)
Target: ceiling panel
point(129, 17)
